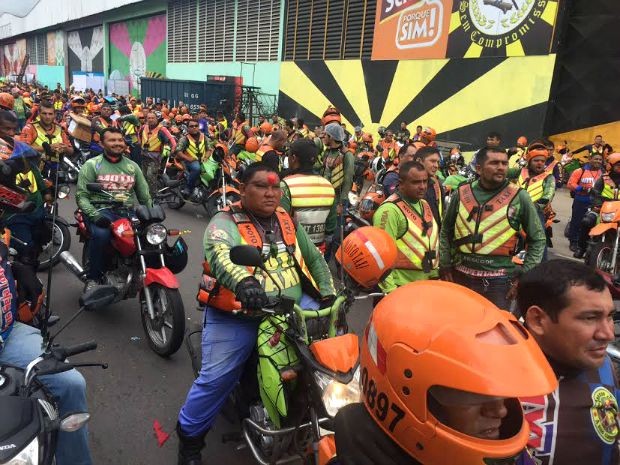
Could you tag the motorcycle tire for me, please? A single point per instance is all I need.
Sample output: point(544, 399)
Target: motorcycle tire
point(595, 257)
point(60, 242)
point(176, 201)
point(173, 318)
point(212, 204)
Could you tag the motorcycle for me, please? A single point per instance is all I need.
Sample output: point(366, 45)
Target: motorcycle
point(31, 421)
point(602, 253)
point(139, 262)
point(217, 189)
point(307, 370)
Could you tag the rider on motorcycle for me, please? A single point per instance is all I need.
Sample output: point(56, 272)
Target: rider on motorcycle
point(98, 124)
point(119, 176)
point(442, 371)
point(229, 339)
point(20, 344)
point(191, 149)
point(28, 227)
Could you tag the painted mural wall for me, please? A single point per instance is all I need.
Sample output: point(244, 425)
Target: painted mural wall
point(461, 98)
point(85, 57)
point(137, 49)
point(56, 48)
point(12, 57)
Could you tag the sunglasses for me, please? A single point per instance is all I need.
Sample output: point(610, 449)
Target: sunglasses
point(192, 125)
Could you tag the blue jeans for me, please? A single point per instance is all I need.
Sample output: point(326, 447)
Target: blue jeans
point(579, 211)
point(99, 240)
point(227, 343)
point(27, 227)
point(193, 172)
point(494, 289)
point(69, 388)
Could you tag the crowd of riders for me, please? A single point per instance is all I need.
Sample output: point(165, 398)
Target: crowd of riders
point(480, 350)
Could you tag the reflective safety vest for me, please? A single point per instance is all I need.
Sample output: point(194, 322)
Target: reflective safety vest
point(32, 180)
point(485, 229)
point(418, 247)
point(196, 149)
point(224, 299)
point(610, 190)
point(535, 184)
point(336, 164)
point(220, 126)
point(129, 130)
point(150, 139)
point(238, 135)
point(58, 105)
point(312, 198)
point(42, 136)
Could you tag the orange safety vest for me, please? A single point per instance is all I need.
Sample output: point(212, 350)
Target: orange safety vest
point(224, 299)
point(485, 229)
point(238, 135)
point(418, 247)
point(96, 136)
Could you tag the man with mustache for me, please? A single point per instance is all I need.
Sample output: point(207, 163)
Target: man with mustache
point(569, 312)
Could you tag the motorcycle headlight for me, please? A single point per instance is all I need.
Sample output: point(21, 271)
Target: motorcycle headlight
point(336, 395)
point(608, 217)
point(156, 234)
point(28, 456)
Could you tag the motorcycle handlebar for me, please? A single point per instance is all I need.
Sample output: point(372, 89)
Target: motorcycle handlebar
point(77, 349)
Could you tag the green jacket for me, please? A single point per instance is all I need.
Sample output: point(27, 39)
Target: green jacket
point(390, 218)
point(342, 192)
point(523, 215)
point(124, 179)
point(222, 234)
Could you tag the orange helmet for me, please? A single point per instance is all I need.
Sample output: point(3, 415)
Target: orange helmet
point(367, 138)
point(369, 204)
point(331, 115)
point(367, 255)
point(178, 118)
point(522, 141)
point(26, 94)
point(422, 356)
point(187, 117)
point(429, 134)
point(353, 145)
point(6, 101)
point(418, 145)
point(251, 145)
point(266, 128)
point(536, 150)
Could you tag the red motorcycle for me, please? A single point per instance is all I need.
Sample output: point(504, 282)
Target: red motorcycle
point(139, 261)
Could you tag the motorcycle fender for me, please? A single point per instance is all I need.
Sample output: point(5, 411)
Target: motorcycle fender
point(162, 276)
point(327, 450)
point(275, 353)
point(602, 228)
point(339, 354)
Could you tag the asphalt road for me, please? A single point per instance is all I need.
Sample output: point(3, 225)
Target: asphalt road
point(139, 386)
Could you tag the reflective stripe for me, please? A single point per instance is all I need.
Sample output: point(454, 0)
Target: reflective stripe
point(29, 176)
point(42, 136)
point(238, 135)
point(421, 237)
point(485, 227)
point(312, 198)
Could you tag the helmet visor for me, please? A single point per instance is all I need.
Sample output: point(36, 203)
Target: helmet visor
point(477, 415)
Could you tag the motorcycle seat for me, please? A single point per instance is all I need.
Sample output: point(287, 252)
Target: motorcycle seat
point(153, 214)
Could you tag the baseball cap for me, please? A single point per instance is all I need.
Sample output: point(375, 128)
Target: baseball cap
point(335, 131)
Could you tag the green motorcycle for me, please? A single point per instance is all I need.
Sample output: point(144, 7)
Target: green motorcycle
point(306, 370)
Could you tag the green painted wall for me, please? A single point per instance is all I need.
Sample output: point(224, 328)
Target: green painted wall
point(266, 74)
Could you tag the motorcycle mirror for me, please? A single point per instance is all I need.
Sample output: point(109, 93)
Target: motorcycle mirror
point(246, 255)
point(63, 191)
point(98, 296)
point(73, 422)
point(94, 187)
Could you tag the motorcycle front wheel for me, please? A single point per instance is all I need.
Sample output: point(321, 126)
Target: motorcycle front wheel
point(164, 332)
point(600, 256)
point(59, 242)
